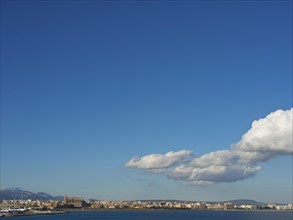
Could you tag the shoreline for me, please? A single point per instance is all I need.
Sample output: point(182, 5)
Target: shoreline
point(137, 210)
point(216, 210)
point(5, 215)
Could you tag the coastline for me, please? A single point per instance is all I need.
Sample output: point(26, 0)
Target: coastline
point(135, 210)
point(5, 215)
point(154, 210)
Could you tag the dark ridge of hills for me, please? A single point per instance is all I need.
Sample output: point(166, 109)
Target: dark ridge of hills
point(245, 201)
point(16, 193)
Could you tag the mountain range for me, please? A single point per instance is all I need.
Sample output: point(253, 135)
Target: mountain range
point(16, 193)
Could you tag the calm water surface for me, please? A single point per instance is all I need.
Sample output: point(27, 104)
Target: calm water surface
point(167, 215)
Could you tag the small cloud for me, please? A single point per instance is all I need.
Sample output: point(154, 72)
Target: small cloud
point(159, 161)
point(268, 138)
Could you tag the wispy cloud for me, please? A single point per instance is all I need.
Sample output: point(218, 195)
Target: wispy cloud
point(268, 137)
point(159, 161)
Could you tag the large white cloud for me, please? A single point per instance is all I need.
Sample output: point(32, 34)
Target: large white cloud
point(268, 137)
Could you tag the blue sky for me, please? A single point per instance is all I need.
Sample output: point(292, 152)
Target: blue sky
point(87, 85)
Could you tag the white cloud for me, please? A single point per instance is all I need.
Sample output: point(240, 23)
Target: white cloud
point(159, 161)
point(268, 137)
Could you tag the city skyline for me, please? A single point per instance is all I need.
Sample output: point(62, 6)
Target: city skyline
point(126, 100)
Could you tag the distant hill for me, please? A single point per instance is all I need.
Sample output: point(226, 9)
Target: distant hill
point(15, 193)
point(245, 201)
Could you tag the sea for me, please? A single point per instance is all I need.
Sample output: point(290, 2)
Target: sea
point(166, 215)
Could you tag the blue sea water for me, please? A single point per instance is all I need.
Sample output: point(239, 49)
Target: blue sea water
point(167, 215)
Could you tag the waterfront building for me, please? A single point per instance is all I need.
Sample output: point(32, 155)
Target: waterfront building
point(228, 205)
point(73, 202)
